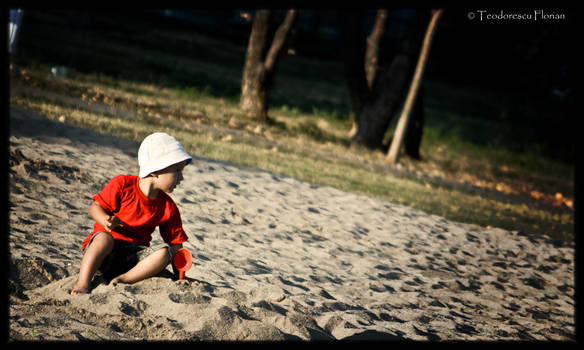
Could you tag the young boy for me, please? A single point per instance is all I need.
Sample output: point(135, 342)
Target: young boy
point(128, 210)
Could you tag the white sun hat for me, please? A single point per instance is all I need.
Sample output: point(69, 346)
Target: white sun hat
point(158, 151)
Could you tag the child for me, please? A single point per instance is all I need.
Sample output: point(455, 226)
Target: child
point(127, 211)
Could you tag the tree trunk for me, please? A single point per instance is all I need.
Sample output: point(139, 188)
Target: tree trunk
point(375, 104)
point(372, 51)
point(359, 92)
point(253, 83)
point(393, 153)
point(415, 127)
point(374, 119)
point(260, 63)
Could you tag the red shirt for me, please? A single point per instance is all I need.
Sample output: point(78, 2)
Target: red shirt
point(123, 198)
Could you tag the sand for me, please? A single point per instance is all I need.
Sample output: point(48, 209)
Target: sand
point(275, 259)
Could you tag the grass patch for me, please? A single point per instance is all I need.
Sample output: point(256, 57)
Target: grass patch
point(294, 156)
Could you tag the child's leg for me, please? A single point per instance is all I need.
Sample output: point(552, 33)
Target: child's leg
point(150, 266)
point(101, 245)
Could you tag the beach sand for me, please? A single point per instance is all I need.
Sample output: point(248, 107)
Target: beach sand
point(275, 258)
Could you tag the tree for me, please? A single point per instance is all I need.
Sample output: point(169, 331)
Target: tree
point(372, 49)
point(260, 62)
point(376, 87)
point(393, 153)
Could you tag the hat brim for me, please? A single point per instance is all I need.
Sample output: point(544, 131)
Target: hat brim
point(161, 164)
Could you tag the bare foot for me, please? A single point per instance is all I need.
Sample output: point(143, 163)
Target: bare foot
point(115, 281)
point(79, 289)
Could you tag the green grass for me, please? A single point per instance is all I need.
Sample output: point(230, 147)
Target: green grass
point(480, 163)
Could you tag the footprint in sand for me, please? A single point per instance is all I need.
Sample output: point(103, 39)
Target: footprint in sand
point(189, 298)
point(136, 310)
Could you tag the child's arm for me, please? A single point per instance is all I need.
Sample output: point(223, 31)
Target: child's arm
point(110, 222)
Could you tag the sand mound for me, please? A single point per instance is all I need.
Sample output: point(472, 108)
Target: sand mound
point(275, 259)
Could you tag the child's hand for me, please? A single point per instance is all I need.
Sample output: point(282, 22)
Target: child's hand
point(112, 223)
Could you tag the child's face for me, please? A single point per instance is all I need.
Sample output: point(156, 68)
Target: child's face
point(170, 177)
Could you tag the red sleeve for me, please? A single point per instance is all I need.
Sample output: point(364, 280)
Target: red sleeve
point(172, 231)
point(110, 196)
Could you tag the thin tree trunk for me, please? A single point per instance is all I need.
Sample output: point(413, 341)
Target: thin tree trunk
point(372, 50)
point(393, 153)
point(282, 34)
point(415, 128)
point(260, 63)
